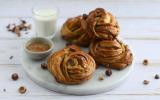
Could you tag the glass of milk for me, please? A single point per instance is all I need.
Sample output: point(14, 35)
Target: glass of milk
point(45, 18)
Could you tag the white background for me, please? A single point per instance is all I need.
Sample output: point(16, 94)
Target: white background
point(140, 27)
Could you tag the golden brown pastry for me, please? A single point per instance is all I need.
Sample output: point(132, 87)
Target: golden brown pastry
point(71, 65)
point(102, 24)
point(111, 53)
point(73, 32)
point(99, 29)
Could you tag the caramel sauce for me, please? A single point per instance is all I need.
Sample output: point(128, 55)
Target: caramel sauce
point(38, 46)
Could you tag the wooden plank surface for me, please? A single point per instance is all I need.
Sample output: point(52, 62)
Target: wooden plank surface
point(140, 28)
point(128, 9)
point(143, 49)
point(131, 28)
point(132, 86)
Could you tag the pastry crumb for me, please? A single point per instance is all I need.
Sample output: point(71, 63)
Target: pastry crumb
point(101, 78)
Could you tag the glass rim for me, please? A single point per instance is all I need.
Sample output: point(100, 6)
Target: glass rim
point(45, 7)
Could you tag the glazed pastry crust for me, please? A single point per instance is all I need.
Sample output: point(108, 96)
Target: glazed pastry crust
point(81, 30)
point(71, 65)
point(111, 53)
point(101, 24)
point(73, 31)
point(99, 30)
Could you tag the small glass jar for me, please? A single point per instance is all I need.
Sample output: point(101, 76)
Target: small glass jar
point(45, 18)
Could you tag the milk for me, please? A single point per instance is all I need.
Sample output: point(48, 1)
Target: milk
point(45, 22)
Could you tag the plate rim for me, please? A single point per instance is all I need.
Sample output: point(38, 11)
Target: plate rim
point(89, 92)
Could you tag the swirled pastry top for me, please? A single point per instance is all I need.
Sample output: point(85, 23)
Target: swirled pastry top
point(71, 65)
point(73, 32)
point(102, 24)
point(111, 53)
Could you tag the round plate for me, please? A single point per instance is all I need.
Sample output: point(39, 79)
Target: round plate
point(93, 86)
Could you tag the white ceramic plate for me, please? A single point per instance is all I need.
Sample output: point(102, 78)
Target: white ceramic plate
point(93, 86)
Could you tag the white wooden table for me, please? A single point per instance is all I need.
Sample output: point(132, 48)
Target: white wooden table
point(140, 27)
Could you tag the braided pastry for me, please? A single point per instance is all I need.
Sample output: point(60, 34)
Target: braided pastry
point(71, 65)
point(102, 24)
point(73, 32)
point(111, 53)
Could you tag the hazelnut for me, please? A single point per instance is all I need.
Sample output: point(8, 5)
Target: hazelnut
point(22, 89)
point(17, 29)
point(145, 62)
point(156, 76)
point(15, 76)
point(145, 82)
point(44, 66)
point(108, 72)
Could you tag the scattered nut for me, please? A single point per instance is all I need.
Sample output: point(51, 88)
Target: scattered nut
point(15, 76)
point(22, 89)
point(156, 76)
point(145, 62)
point(101, 78)
point(108, 72)
point(145, 82)
point(44, 66)
point(17, 29)
point(4, 90)
point(10, 27)
point(11, 57)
